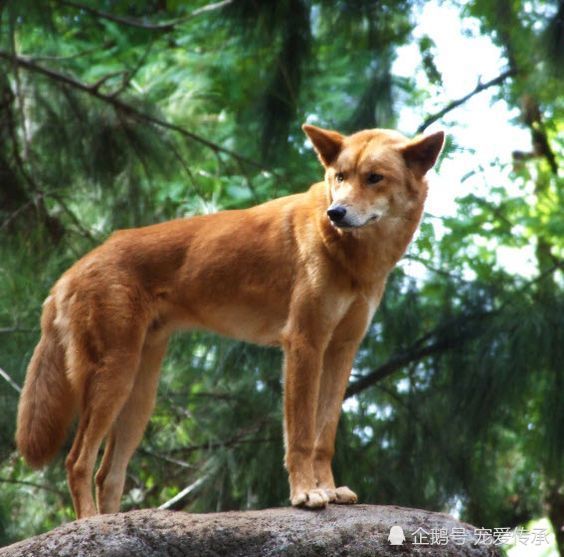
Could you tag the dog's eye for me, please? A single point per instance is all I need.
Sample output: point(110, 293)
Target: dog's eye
point(339, 176)
point(374, 178)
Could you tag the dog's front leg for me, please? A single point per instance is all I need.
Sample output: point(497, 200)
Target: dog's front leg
point(302, 369)
point(337, 363)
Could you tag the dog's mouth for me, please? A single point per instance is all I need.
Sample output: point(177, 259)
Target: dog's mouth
point(342, 224)
point(349, 225)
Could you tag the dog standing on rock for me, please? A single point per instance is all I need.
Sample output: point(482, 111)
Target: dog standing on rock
point(305, 272)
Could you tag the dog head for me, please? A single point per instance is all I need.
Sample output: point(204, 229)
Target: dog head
point(373, 174)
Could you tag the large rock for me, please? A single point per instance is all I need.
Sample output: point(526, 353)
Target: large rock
point(360, 530)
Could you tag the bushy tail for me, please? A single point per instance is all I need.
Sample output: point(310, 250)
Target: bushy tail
point(46, 406)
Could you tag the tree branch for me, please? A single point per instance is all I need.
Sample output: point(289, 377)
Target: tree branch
point(84, 231)
point(18, 211)
point(165, 27)
point(164, 458)
point(456, 103)
point(9, 330)
point(399, 361)
point(178, 502)
point(446, 341)
point(32, 484)
point(430, 267)
point(242, 437)
point(10, 381)
point(46, 58)
point(118, 104)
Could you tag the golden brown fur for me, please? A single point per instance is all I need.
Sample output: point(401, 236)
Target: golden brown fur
point(280, 274)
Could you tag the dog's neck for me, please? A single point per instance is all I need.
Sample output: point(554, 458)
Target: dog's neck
point(370, 252)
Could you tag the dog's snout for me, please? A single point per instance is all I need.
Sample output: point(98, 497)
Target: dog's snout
point(336, 214)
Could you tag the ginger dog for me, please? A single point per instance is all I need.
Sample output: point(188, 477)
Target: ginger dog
point(305, 272)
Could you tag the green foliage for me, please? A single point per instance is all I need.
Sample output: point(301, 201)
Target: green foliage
point(121, 114)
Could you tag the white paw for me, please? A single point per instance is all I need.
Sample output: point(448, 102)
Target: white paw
point(345, 496)
point(312, 499)
point(331, 493)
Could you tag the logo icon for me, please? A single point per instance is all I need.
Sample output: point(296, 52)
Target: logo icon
point(396, 536)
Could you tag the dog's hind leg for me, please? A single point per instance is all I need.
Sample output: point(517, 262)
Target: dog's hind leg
point(106, 389)
point(128, 428)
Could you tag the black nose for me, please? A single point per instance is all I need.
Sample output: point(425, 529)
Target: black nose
point(336, 214)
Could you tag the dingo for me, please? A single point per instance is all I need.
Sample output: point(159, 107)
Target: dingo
point(304, 272)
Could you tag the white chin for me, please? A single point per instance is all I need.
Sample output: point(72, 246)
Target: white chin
point(354, 226)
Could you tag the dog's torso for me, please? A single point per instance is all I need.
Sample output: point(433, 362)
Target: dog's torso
point(235, 272)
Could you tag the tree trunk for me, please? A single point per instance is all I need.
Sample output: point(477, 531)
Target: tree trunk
point(555, 502)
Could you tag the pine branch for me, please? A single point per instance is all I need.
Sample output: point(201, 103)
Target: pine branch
point(165, 27)
point(164, 458)
point(10, 381)
point(430, 267)
point(33, 484)
point(458, 102)
point(242, 437)
point(420, 350)
point(18, 211)
point(399, 361)
point(121, 106)
point(46, 58)
point(84, 231)
point(179, 501)
point(129, 75)
point(10, 330)
point(98, 84)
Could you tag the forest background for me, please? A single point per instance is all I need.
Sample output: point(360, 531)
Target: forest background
point(116, 114)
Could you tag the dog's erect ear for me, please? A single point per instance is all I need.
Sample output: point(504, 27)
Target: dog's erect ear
point(327, 144)
point(422, 153)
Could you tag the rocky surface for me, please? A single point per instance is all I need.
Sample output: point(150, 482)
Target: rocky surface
point(359, 530)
